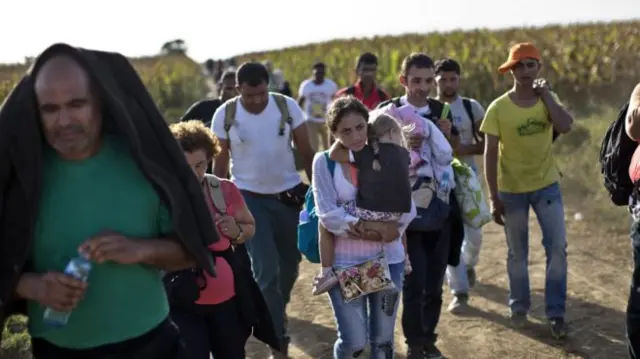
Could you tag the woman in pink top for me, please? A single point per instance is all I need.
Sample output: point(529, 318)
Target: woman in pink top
point(216, 324)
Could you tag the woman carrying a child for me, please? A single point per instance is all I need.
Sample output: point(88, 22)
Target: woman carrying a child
point(363, 201)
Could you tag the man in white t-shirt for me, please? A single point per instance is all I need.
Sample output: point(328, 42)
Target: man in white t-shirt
point(467, 117)
point(257, 144)
point(314, 97)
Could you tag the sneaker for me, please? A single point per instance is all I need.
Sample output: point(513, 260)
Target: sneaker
point(415, 352)
point(432, 352)
point(459, 304)
point(559, 328)
point(471, 277)
point(324, 282)
point(518, 320)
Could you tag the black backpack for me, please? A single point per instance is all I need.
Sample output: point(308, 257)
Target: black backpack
point(616, 151)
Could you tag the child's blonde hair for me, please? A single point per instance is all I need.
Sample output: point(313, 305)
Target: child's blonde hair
point(381, 124)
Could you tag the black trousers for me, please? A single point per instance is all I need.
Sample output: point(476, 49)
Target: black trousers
point(633, 305)
point(162, 342)
point(422, 293)
point(218, 330)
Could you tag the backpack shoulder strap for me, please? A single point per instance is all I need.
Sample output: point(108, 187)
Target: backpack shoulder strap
point(217, 196)
point(350, 90)
point(382, 95)
point(285, 117)
point(230, 115)
point(436, 107)
point(396, 102)
point(467, 107)
point(331, 164)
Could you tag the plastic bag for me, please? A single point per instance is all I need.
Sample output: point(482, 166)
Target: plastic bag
point(468, 192)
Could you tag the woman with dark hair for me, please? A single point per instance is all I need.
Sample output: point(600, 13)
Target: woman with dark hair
point(358, 248)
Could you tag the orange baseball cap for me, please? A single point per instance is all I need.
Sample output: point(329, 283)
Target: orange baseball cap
point(517, 53)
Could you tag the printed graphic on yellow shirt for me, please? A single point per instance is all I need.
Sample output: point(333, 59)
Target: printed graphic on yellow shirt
point(533, 126)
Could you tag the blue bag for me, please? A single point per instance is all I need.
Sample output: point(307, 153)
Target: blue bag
point(309, 223)
point(433, 215)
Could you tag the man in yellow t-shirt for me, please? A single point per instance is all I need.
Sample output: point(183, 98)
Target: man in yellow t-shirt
point(520, 170)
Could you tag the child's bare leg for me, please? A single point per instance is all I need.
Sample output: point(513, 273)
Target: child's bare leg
point(327, 277)
point(327, 249)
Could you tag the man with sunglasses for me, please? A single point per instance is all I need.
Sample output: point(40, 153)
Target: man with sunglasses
point(521, 172)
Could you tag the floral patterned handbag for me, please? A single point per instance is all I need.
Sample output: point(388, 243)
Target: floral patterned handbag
point(365, 278)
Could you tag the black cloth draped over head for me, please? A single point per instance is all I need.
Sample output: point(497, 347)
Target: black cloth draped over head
point(129, 112)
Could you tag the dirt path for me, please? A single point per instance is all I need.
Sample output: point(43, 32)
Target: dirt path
point(599, 272)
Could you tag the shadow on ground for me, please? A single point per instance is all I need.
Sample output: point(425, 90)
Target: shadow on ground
point(314, 340)
point(596, 332)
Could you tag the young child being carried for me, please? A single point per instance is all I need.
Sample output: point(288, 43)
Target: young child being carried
point(384, 192)
point(433, 159)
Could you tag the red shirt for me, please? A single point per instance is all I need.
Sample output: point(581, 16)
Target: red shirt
point(376, 97)
point(221, 288)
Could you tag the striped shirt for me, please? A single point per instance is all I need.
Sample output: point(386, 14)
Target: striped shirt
point(328, 193)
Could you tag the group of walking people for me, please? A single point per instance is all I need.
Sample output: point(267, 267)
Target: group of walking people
point(188, 266)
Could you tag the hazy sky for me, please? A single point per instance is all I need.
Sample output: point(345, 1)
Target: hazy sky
point(140, 27)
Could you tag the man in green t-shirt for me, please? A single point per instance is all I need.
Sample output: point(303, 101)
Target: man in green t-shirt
point(95, 201)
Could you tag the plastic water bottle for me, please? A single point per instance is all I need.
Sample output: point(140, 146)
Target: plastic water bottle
point(77, 268)
point(304, 216)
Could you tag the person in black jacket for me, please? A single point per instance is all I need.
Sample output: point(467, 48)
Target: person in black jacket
point(79, 177)
point(203, 110)
point(429, 252)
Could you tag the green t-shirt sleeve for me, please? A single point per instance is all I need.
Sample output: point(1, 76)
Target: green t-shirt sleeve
point(490, 123)
point(165, 222)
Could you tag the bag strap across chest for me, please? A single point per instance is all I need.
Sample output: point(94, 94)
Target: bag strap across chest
point(216, 194)
point(281, 102)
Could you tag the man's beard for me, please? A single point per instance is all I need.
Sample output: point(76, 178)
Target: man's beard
point(450, 94)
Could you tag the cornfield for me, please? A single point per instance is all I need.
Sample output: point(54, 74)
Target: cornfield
point(174, 81)
point(588, 65)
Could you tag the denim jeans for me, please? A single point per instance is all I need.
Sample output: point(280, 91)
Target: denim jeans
point(633, 305)
point(367, 320)
point(548, 207)
point(457, 276)
point(274, 254)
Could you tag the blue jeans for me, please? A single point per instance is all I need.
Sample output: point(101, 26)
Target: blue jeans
point(274, 254)
point(367, 320)
point(548, 207)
